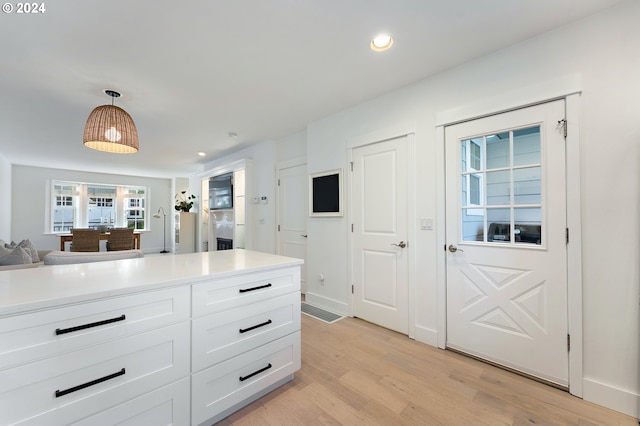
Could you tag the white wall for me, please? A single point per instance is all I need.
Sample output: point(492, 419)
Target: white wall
point(28, 192)
point(604, 51)
point(292, 147)
point(5, 194)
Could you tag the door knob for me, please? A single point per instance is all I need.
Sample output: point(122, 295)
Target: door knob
point(453, 248)
point(402, 244)
point(304, 235)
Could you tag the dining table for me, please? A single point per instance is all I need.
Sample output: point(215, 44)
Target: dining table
point(64, 238)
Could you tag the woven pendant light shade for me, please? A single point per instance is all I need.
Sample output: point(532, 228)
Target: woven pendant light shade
point(111, 129)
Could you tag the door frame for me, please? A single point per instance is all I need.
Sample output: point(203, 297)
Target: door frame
point(569, 89)
point(398, 131)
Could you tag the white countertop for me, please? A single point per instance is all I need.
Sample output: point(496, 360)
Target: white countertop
point(24, 290)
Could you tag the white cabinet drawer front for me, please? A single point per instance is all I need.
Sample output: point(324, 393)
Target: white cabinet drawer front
point(226, 293)
point(222, 335)
point(77, 384)
point(231, 382)
point(169, 405)
point(47, 333)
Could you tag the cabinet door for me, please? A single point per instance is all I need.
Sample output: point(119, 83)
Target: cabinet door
point(76, 384)
point(169, 405)
point(222, 335)
point(226, 293)
point(225, 385)
point(44, 334)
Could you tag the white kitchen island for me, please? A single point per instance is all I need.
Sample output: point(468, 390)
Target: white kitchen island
point(183, 340)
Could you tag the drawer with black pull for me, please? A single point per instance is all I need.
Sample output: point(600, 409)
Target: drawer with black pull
point(169, 405)
point(225, 385)
point(222, 335)
point(226, 293)
point(76, 384)
point(46, 333)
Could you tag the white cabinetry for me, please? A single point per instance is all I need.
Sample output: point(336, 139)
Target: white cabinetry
point(155, 344)
point(62, 365)
point(246, 340)
point(185, 232)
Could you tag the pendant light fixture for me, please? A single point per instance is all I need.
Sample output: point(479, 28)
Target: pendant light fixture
point(111, 129)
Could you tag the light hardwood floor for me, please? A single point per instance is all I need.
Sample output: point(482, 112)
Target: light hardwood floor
point(355, 373)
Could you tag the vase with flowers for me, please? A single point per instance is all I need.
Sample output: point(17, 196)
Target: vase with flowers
point(184, 202)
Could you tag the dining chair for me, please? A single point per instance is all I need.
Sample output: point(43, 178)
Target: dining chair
point(120, 239)
point(85, 239)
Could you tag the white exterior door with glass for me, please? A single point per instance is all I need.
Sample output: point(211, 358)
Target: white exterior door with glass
point(506, 240)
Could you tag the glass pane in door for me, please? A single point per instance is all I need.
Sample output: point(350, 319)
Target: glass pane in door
point(526, 146)
point(501, 187)
point(472, 225)
point(527, 186)
point(498, 150)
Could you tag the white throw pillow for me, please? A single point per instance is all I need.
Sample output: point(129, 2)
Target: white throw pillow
point(30, 248)
point(4, 250)
point(17, 256)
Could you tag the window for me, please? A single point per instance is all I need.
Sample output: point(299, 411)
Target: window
point(84, 205)
point(502, 187)
point(134, 208)
point(472, 179)
point(65, 200)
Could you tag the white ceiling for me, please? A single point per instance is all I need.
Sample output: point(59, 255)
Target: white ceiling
point(191, 72)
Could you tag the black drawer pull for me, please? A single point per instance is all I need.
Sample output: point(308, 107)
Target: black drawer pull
point(244, 290)
point(244, 330)
point(60, 393)
point(242, 379)
point(93, 324)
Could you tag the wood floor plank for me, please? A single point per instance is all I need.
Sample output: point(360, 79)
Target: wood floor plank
point(356, 373)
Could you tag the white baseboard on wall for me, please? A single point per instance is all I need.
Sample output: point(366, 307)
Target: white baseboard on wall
point(621, 400)
point(426, 336)
point(326, 303)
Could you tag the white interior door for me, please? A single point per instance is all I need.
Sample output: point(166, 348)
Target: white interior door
point(506, 240)
point(380, 248)
point(293, 188)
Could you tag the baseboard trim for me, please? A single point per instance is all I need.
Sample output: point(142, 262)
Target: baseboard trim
point(426, 336)
point(611, 397)
point(331, 305)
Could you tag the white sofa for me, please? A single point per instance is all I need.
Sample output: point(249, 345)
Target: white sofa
point(41, 255)
point(57, 257)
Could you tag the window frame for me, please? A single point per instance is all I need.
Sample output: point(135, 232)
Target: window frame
point(474, 209)
point(77, 194)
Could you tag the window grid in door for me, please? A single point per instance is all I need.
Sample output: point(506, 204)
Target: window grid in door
point(501, 187)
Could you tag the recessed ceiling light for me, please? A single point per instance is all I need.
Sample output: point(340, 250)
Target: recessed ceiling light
point(201, 154)
point(381, 42)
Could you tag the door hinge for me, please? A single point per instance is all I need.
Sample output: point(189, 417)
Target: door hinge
point(568, 342)
point(352, 288)
point(567, 235)
point(278, 228)
point(351, 165)
point(278, 182)
point(563, 122)
point(352, 227)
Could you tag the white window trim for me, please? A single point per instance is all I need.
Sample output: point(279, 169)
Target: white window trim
point(472, 171)
point(81, 205)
